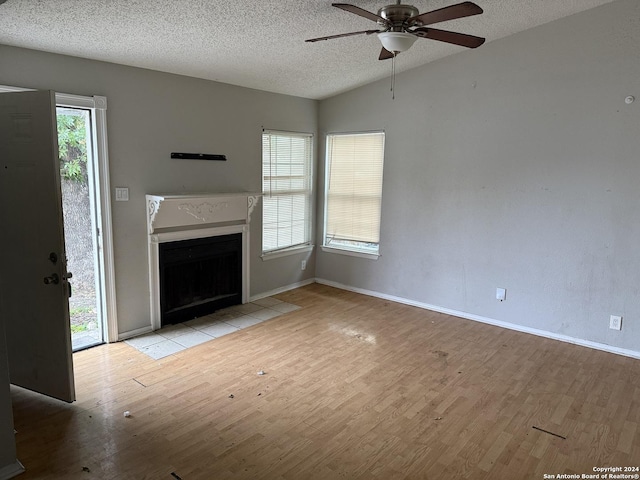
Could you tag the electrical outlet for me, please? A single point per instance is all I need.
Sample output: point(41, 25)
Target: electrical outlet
point(615, 322)
point(501, 294)
point(303, 266)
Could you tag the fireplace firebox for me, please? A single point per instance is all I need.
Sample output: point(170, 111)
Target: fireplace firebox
point(199, 276)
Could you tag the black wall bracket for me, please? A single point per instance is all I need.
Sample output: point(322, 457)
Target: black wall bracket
point(198, 156)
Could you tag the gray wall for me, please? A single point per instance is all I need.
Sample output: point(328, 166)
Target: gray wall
point(152, 114)
point(515, 165)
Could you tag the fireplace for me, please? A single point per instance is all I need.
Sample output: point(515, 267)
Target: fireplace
point(198, 254)
point(199, 276)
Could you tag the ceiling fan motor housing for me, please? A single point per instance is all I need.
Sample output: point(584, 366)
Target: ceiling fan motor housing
point(396, 16)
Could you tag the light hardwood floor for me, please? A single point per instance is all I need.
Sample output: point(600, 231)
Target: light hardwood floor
point(355, 388)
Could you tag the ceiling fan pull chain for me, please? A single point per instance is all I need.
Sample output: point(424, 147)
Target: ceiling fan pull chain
point(393, 76)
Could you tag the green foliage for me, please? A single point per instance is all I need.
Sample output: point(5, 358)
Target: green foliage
point(80, 310)
point(79, 328)
point(80, 324)
point(72, 145)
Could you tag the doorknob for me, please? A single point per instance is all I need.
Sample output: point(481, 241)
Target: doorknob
point(52, 279)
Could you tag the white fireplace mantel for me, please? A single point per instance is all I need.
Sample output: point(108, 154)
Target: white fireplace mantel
point(193, 211)
point(172, 218)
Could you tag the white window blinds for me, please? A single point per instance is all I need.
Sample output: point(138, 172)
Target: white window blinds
point(354, 190)
point(286, 185)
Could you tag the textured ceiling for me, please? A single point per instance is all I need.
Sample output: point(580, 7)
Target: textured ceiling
point(252, 43)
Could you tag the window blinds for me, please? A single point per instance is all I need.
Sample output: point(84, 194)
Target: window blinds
point(354, 190)
point(286, 185)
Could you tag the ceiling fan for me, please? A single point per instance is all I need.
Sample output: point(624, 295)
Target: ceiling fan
point(401, 25)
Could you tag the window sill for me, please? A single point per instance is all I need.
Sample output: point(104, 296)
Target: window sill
point(351, 253)
point(286, 252)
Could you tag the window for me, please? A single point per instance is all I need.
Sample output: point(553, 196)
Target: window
point(354, 192)
point(286, 184)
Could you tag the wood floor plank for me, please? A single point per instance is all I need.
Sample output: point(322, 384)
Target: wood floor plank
point(355, 388)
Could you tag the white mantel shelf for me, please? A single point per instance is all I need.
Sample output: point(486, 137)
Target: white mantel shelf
point(172, 218)
point(197, 210)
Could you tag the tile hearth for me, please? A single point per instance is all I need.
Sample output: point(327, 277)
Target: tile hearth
point(175, 338)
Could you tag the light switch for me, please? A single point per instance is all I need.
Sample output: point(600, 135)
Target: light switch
point(122, 194)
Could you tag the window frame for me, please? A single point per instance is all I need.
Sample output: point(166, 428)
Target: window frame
point(362, 252)
point(307, 245)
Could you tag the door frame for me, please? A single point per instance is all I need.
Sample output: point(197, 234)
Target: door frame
point(102, 187)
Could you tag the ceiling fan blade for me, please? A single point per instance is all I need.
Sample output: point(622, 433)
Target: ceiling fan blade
point(461, 39)
point(385, 54)
point(340, 35)
point(360, 11)
point(464, 9)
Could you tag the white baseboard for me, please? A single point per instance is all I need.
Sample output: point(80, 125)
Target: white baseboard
point(286, 288)
point(134, 333)
point(490, 321)
point(11, 470)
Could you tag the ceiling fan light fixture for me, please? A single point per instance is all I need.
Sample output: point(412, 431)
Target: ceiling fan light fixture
point(397, 41)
